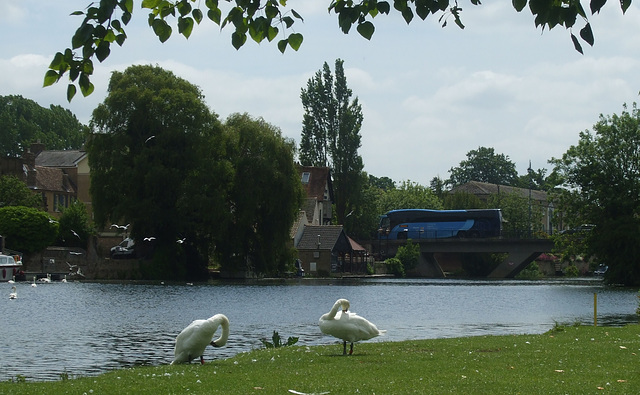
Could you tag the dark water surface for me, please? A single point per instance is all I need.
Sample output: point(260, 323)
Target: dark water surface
point(84, 329)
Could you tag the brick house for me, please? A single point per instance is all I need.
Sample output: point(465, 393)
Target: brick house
point(59, 176)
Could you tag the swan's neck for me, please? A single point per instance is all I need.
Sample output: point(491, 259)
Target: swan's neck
point(223, 321)
point(334, 310)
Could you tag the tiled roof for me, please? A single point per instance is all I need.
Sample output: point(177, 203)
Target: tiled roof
point(355, 246)
point(68, 158)
point(319, 177)
point(327, 235)
point(50, 179)
point(484, 189)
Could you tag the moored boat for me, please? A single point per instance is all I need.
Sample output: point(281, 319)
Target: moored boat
point(10, 267)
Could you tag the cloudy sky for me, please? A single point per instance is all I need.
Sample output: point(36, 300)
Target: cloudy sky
point(429, 94)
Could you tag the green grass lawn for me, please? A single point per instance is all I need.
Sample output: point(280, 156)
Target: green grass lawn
point(567, 360)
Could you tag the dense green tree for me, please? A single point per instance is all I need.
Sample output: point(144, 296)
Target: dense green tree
point(601, 186)
point(104, 24)
point(363, 219)
point(24, 121)
point(73, 226)
point(145, 152)
point(331, 135)
point(462, 200)
point(521, 217)
point(27, 229)
point(408, 195)
point(264, 200)
point(534, 179)
point(14, 192)
point(484, 165)
point(384, 183)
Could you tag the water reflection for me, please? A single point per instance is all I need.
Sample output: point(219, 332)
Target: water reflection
point(89, 328)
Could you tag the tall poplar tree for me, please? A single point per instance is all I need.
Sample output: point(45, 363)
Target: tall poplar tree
point(331, 134)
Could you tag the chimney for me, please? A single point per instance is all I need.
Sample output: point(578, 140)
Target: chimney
point(37, 148)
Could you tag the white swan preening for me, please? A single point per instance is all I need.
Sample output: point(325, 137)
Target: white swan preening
point(349, 327)
point(193, 339)
point(14, 293)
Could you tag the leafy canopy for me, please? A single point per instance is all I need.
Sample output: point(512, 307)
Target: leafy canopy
point(152, 138)
point(104, 24)
point(484, 165)
point(601, 185)
point(14, 192)
point(27, 229)
point(23, 121)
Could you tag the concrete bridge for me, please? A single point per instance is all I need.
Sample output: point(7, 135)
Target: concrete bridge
point(519, 253)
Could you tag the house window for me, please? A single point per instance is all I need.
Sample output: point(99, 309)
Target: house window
point(305, 177)
point(60, 202)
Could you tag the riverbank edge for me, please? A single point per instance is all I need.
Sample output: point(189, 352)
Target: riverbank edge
point(567, 359)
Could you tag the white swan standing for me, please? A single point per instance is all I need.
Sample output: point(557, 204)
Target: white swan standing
point(193, 339)
point(14, 293)
point(347, 326)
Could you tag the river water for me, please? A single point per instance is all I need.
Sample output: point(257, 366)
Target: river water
point(79, 329)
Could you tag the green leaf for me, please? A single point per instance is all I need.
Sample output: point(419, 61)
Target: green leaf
point(282, 45)
point(161, 29)
point(103, 51)
point(519, 4)
point(120, 39)
point(197, 15)
point(86, 87)
point(184, 8)
point(272, 32)
point(215, 15)
point(150, 4)
point(288, 21)
point(185, 26)
point(624, 4)
point(71, 92)
point(366, 29)
point(587, 34)
point(57, 62)
point(295, 40)
point(576, 44)
point(127, 5)
point(238, 39)
point(126, 17)
point(383, 7)
point(82, 35)
point(50, 78)
point(407, 14)
point(596, 5)
point(296, 15)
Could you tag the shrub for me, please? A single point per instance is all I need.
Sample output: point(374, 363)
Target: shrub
point(395, 267)
point(27, 229)
point(409, 254)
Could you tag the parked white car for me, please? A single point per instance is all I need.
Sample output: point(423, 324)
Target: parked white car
point(126, 249)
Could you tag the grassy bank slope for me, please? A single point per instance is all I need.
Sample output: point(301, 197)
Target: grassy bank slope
point(567, 360)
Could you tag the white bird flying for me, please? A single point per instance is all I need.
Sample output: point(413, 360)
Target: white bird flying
point(193, 339)
point(349, 327)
